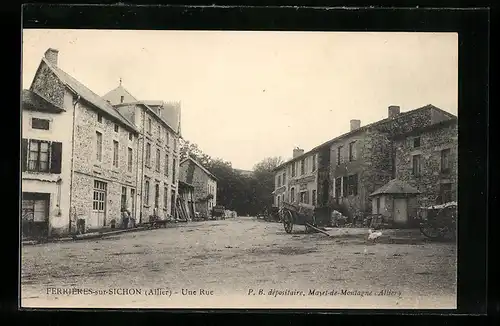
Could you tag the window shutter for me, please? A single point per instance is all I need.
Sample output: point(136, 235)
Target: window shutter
point(24, 154)
point(55, 158)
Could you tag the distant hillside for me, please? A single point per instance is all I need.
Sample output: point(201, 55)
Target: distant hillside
point(244, 172)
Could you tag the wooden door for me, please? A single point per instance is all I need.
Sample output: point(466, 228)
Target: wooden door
point(400, 210)
point(98, 216)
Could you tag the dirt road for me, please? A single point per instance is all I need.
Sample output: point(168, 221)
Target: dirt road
point(236, 263)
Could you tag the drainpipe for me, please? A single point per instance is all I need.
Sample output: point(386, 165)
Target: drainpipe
point(142, 166)
point(75, 102)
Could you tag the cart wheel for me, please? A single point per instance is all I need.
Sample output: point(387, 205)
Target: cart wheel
point(288, 221)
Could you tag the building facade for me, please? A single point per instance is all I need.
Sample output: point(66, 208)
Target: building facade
point(45, 145)
point(204, 182)
point(427, 158)
point(98, 145)
point(352, 166)
point(158, 152)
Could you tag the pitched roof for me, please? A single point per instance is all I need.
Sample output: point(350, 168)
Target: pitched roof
point(185, 184)
point(89, 96)
point(395, 186)
point(364, 128)
point(200, 166)
point(35, 102)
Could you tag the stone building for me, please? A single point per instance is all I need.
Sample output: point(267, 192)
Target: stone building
point(99, 152)
point(355, 164)
point(204, 182)
point(157, 177)
point(427, 158)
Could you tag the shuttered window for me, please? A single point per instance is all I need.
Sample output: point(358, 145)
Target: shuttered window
point(41, 156)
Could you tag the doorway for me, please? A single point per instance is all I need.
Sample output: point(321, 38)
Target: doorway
point(172, 204)
point(98, 216)
point(35, 215)
point(400, 210)
point(132, 204)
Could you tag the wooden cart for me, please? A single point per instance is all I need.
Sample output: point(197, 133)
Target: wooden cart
point(303, 214)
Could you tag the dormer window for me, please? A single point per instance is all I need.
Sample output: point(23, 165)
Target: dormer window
point(122, 98)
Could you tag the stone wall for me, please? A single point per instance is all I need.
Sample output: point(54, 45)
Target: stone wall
point(87, 168)
point(48, 85)
point(192, 174)
point(432, 142)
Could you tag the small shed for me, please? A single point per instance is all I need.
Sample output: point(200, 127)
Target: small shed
point(395, 202)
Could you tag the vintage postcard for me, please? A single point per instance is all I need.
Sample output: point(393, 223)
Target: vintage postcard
point(238, 169)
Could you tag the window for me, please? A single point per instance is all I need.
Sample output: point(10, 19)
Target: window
point(41, 156)
point(303, 166)
point(445, 160)
point(352, 151)
point(279, 181)
point(42, 124)
point(146, 192)
point(122, 98)
point(314, 163)
point(158, 160)
point(38, 156)
point(99, 118)
point(338, 187)
point(378, 205)
point(416, 142)
point(166, 164)
point(292, 195)
point(282, 197)
point(304, 197)
point(99, 199)
point(293, 169)
point(175, 143)
point(130, 159)
point(115, 153)
point(284, 177)
point(345, 183)
point(157, 194)
point(148, 154)
point(149, 125)
point(173, 170)
point(278, 200)
point(445, 193)
point(417, 168)
point(124, 198)
point(130, 136)
point(352, 185)
point(99, 146)
point(339, 155)
point(159, 132)
point(116, 128)
point(167, 136)
point(165, 197)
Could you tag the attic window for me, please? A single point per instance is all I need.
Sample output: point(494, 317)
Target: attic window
point(116, 128)
point(42, 124)
point(122, 98)
point(130, 136)
point(99, 118)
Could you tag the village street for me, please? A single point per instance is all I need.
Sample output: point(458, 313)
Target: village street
point(228, 258)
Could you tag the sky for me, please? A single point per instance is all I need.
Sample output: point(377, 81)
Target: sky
point(250, 95)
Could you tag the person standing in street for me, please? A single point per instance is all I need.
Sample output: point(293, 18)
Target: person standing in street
point(125, 218)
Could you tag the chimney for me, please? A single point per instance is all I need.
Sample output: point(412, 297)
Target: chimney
point(393, 111)
point(355, 124)
point(51, 56)
point(297, 152)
